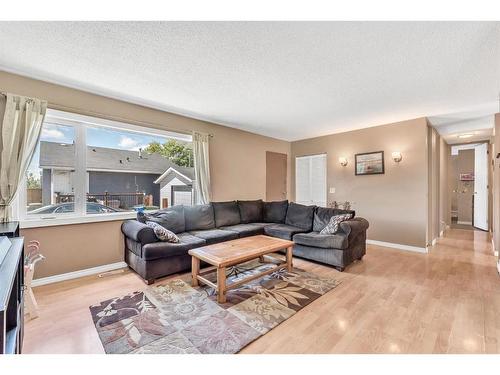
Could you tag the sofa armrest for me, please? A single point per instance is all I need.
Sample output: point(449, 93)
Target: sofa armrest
point(138, 232)
point(352, 228)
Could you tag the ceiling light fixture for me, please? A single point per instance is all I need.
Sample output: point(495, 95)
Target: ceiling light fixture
point(468, 135)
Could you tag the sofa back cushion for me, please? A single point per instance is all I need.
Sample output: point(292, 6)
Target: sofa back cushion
point(226, 213)
point(300, 216)
point(250, 211)
point(323, 215)
point(171, 218)
point(274, 212)
point(199, 217)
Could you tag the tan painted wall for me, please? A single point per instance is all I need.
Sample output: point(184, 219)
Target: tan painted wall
point(444, 207)
point(237, 167)
point(433, 178)
point(237, 158)
point(496, 184)
point(394, 203)
point(453, 184)
point(76, 247)
point(465, 188)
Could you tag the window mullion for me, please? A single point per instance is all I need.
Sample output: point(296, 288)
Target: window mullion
point(80, 170)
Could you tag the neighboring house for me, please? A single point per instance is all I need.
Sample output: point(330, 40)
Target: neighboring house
point(176, 186)
point(109, 170)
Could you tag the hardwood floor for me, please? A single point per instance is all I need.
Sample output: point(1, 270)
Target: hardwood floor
point(447, 301)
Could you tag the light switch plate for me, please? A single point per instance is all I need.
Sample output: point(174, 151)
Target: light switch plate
point(332, 190)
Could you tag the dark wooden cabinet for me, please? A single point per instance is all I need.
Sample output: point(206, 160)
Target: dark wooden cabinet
point(11, 298)
point(9, 229)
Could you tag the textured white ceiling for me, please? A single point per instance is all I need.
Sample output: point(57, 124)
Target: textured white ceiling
point(289, 80)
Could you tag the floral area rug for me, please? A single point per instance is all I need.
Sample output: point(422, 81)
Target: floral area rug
point(174, 317)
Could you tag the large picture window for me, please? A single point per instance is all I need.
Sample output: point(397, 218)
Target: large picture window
point(89, 166)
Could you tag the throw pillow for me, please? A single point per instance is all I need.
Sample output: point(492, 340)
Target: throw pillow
point(333, 225)
point(162, 233)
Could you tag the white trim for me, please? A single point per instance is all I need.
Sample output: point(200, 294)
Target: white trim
point(157, 181)
point(77, 274)
point(398, 246)
point(464, 222)
point(54, 115)
point(91, 218)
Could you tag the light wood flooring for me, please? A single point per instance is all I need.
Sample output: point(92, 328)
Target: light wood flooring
point(447, 301)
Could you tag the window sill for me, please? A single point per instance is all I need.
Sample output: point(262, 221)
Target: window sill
point(56, 221)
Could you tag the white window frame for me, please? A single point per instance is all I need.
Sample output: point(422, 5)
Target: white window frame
point(80, 123)
point(310, 157)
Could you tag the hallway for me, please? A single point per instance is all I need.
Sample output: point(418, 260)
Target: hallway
point(447, 301)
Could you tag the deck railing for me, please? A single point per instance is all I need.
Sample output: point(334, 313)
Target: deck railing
point(124, 201)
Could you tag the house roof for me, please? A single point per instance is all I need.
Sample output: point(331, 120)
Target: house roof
point(57, 155)
point(185, 173)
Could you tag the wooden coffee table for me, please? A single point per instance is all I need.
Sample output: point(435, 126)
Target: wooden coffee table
point(231, 253)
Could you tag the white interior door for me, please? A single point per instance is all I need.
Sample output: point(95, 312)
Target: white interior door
point(481, 186)
point(310, 180)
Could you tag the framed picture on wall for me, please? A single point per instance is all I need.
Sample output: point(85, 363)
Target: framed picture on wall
point(467, 176)
point(369, 163)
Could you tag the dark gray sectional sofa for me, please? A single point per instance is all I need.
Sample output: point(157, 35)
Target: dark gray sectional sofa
point(201, 225)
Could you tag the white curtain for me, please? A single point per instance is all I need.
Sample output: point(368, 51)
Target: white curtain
point(201, 168)
point(20, 129)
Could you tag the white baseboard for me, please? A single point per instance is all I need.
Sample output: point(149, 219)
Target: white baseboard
point(464, 222)
point(398, 246)
point(77, 274)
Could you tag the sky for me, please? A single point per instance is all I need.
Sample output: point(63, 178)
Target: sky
point(96, 136)
point(100, 137)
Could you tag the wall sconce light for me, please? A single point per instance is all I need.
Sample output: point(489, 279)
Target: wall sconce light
point(396, 156)
point(343, 161)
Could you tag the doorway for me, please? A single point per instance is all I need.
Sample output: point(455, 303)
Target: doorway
point(276, 175)
point(469, 186)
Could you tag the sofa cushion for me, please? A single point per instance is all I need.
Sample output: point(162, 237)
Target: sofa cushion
point(212, 236)
point(199, 217)
point(282, 231)
point(226, 213)
point(300, 216)
point(171, 218)
point(262, 225)
point(325, 241)
point(245, 230)
point(250, 211)
point(274, 212)
point(167, 249)
point(322, 216)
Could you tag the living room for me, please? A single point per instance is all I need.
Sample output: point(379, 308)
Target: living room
point(223, 187)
